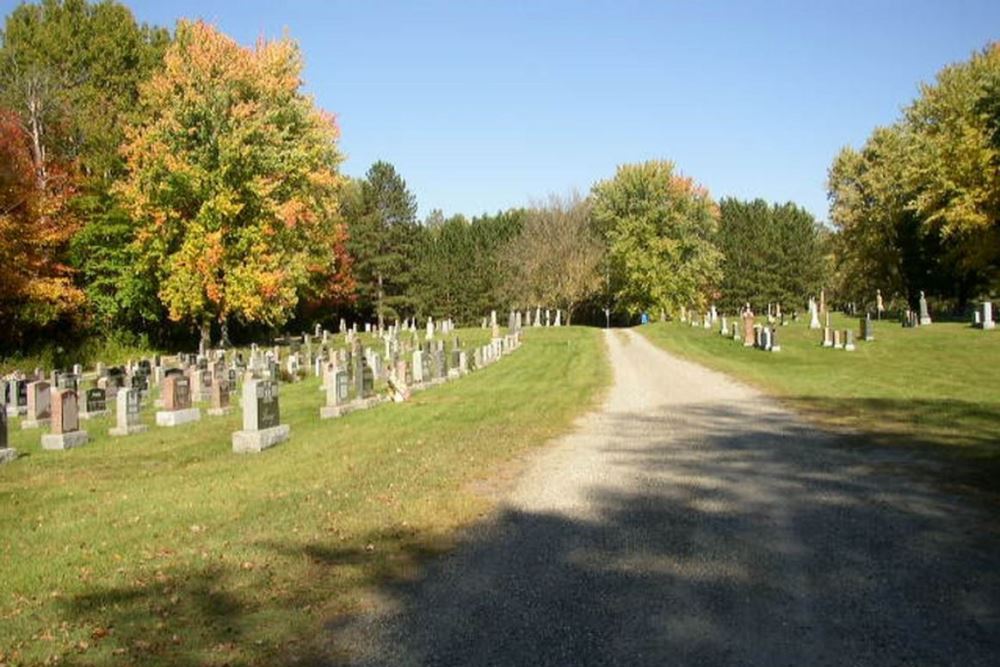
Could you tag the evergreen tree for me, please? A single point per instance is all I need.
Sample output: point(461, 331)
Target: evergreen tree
point(383, 229)
point(773, 254)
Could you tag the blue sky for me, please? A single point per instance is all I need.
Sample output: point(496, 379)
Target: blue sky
point(486, 105)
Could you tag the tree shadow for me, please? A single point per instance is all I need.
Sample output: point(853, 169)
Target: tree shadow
point(955, 442)
point(727, 536)
point(733, 535)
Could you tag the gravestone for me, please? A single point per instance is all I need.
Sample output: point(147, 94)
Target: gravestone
point(39, 406)
point(849, 340)
point(867, 328)
point(775, 346)
point(418, 366)
point(925, 316)
point(367, 382)
point(813, 314)
point(177, 408)
point(66, 431)
point(262, 427)
point(748, 331)
point(15, 388)
point(987, 316)
point(338, 389)
point(827, 337)
point(219, 394)
point(95, 404)
point(128, 405)
point(7, 453)
point(838, 341)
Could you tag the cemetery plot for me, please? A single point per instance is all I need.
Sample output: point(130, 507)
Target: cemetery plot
point(334, 485)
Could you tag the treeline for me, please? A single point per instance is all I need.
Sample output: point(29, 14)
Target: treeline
point(175, 184)
point(918, 206)
point(171, 184)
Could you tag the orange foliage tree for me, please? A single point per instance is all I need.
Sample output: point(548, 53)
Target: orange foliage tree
point(232, 181)
point(35, 225)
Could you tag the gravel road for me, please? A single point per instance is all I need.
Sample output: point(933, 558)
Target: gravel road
point(692, 521)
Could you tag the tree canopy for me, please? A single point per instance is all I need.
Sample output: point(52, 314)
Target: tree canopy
point(659, 227)
point(232, 180)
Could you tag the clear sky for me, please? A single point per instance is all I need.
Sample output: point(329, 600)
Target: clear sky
point(486, 105)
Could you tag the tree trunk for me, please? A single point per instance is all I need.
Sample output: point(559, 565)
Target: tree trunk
point(206, 336)
point(36, 130)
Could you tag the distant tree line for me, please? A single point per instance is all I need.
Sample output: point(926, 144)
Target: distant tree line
point(176, 184)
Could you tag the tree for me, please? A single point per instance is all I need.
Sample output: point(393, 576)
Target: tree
point(555, 259)
point(35, 224)
point(917, 208)
point(773, 253)
point(458, 272)
point(232, 181)
point(71, 70)
point(659, 228)
point(954, 170)
point(382, 226)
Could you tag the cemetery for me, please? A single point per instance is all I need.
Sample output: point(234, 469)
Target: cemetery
point(261, 405)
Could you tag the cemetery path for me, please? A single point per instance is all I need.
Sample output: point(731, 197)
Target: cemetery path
point(692, 521)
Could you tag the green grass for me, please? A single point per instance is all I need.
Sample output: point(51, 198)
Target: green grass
point(166, 549)
point(935, 389)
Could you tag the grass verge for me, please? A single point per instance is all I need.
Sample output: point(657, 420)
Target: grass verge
point(166, 549)
point(934, 390)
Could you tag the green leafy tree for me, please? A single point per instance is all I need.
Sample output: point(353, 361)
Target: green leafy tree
point(382, 226)
point(232, 181)
point(917, 208)
point(659, 229)
point(773, 253)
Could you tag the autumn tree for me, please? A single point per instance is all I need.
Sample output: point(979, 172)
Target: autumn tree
point(232, 181)
point(71, 70)
point(658, 226)
point(35, 224)
point(556, 258)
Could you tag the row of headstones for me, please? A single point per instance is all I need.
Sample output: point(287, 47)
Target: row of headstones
point(759, 336)
point(517, 319)
point(261, 416)
point(430, 365)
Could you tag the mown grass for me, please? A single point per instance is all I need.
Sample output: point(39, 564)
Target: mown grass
point(934, 389)
point(166, 549)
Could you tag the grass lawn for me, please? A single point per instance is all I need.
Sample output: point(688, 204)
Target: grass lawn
point(166, 549)
point(933, 389)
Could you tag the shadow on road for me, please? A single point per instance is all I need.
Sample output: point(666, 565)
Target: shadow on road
point(745, 538)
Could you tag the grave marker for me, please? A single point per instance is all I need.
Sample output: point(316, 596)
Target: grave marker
point(177, 408)
point(262, 427)
point(987, 316)
point(95, 403)
point(66, 431)
point(128, 405)
point(7, 453)
point(39, 405)
point(219, 393)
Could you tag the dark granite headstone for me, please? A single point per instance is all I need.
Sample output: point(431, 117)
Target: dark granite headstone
point(96, 400)
point(268, 415)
